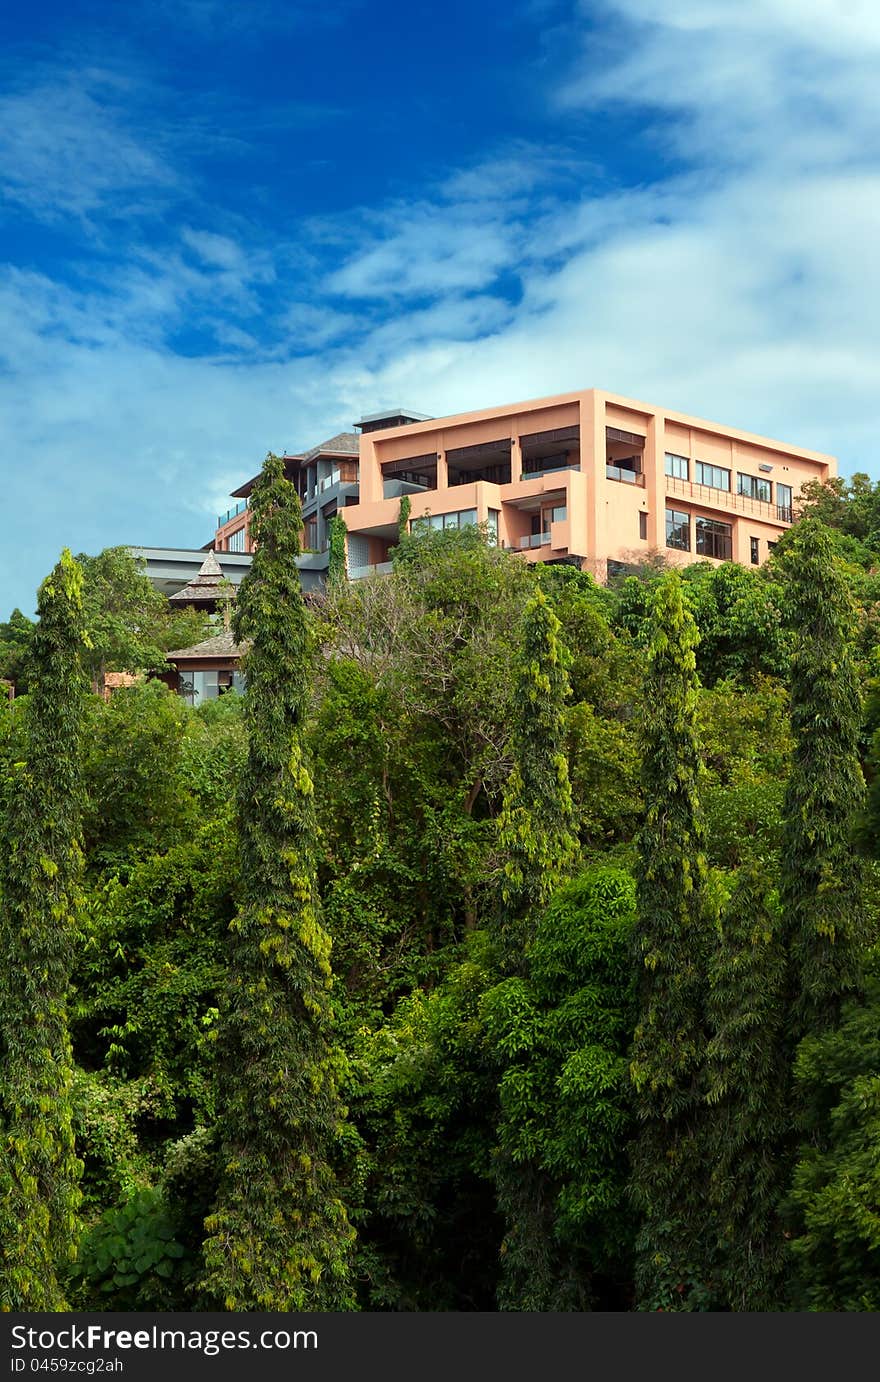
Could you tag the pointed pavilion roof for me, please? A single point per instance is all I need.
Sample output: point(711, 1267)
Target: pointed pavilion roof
point(205, 589)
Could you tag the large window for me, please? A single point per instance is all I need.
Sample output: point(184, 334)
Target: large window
point(465, 518)
point(492, 527)
point(678, 530)
point(677, 466)
point(715, 476)
point(784, 503)
point(235, 541)
point(714, 539)
point(753, 487)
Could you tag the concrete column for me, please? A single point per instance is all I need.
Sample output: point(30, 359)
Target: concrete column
point(442, 470)
point(655, 482)
point(369, 473)
point(592, 426)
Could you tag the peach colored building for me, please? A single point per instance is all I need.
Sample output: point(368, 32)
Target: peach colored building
point(588, 478)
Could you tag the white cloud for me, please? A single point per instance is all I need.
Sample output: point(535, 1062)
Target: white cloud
point(65, 149)
point(745, 287)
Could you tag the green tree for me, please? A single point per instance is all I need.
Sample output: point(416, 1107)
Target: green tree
point(403, 513)
point(821, 879)
point(537, 844)
point(40, 862)
point(561, 1036)
point(336, 530)
point(130, 624)
point(535, 824)
point(279, 1237)
point(16, 636)
point(749, 1090)
point(672, 943)
point(836, 1190)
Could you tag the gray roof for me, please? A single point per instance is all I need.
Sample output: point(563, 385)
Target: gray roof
point(208, 586)
point(221, 645)
point(343, 444)
point(392, 413)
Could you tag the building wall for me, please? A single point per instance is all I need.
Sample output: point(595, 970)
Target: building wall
point(606, 517)
point(602, 520)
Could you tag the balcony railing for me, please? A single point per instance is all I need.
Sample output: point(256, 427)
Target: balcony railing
point(357, 573)
point(231, 513)
point(712, 498)
point(552, 464)
point(534, 540)
point(628, 477)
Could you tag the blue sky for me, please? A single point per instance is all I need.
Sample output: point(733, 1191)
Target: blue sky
point(226, 229)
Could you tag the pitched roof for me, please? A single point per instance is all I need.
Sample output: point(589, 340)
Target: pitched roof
point(220, 645)
point(209, 586)
point(343, 444)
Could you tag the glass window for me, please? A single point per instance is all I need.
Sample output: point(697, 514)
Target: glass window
point(492, 526)
point(753, 487)
point(677, 466)
point(559, 514)
point(714, 539)
point(643, 527)
point(465, 518)
point(784, 503)
point(235, 541)
point(715, 476)
point(755, 551)
point(678, 530)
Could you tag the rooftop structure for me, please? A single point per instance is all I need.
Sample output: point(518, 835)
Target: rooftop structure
point(208, 588)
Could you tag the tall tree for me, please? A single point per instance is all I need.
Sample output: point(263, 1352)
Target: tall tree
point(40, 862)
point(536, 838)
point(821, 879)
point(336, 530)
point(279, 1234)
point(749, 1091)
point(672, 946)
point(535, 827)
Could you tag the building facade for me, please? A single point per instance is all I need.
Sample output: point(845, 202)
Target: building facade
point(589, 478)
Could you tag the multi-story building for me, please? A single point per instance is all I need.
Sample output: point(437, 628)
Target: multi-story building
point(587, 477)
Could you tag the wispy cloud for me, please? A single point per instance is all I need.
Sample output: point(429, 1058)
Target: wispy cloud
point(739, 280)
point(66, 149)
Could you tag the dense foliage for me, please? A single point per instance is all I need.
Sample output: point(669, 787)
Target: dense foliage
point(510, 945)
point(278, 1233)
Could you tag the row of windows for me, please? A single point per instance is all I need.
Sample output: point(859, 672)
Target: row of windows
point(716, 477)
point(465, 518)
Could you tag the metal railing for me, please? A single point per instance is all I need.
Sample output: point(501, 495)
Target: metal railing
point(712, 498)
point(231, 513)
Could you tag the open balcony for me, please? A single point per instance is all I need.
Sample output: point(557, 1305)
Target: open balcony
point(544, 452)
point(488, 460)
point(712, 498)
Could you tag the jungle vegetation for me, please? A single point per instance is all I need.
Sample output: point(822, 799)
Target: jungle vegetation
point(510, 945)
